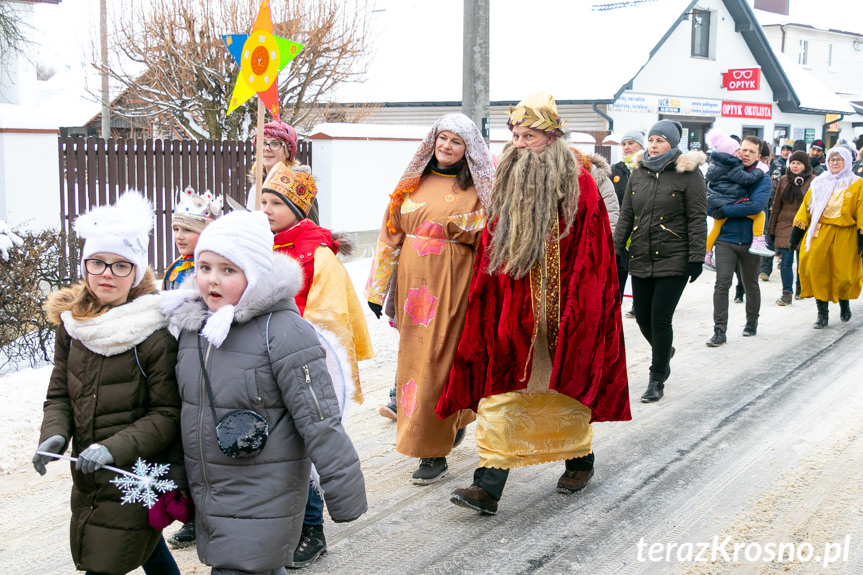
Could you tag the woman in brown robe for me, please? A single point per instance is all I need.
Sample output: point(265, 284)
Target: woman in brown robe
point(431, 229)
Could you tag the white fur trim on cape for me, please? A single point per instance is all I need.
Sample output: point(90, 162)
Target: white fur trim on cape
point(685, 162)
point(343, 382)
point(281, 284)
point(120, 328)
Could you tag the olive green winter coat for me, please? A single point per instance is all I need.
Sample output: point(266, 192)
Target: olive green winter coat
point(113, 383)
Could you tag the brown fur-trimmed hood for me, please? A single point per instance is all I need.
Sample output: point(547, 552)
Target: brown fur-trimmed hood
point(685, 162)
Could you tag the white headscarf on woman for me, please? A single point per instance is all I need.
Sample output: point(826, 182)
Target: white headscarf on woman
point(824, 185)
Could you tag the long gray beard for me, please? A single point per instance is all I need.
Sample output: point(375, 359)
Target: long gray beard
point(529, 189)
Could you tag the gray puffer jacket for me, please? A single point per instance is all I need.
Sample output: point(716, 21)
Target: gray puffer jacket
point(249, 512)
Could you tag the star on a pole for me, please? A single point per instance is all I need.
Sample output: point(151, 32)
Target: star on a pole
point(261, 56)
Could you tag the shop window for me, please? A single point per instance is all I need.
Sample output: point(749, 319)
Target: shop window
point(803, 53)
point(701, 33)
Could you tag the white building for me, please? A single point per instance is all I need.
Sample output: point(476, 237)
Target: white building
point(611, 65)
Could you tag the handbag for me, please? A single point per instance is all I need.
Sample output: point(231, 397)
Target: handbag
point(241, 433)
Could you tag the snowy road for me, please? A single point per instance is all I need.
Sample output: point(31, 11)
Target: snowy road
point(758, 443)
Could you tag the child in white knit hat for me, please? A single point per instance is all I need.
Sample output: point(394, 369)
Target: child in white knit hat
point(113, 391)
point(240, 333)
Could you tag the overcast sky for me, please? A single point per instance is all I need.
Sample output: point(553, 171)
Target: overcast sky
point(67, 31)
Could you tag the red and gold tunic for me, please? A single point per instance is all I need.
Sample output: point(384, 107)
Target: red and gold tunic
point(543, 356)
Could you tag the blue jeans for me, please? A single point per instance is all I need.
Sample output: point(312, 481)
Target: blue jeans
point(161, 562)
point(314, 508)
point(786, 268)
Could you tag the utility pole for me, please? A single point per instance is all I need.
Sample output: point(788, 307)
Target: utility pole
point(106, 108)
point(474, 98)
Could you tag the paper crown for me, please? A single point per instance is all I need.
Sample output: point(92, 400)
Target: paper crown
point(195, 211)
point(539, 112)
point(297, 187)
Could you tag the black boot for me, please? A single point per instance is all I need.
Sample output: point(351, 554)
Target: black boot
point(821, 322)
point(312, 545)
point(654, 391)
point(844, 310)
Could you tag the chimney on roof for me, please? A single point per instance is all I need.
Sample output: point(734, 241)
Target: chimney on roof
point(775, 6)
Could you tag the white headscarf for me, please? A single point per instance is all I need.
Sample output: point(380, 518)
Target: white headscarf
point(824, 185)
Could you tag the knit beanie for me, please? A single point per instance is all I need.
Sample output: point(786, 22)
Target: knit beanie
point(193, 211)
point(122, 229)
point(285, 133)
point(295, 188)
point(245, 239)
point(799, 156)
point(636, 136)
point(670, 130)
point(721, 142)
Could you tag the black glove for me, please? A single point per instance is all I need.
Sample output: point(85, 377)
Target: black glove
point(717, 214)
point(376, 309)
point(796, 235)
point(860, 244)
point(695, 269)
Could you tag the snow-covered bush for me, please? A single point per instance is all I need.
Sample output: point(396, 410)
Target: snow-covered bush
point(31, 271)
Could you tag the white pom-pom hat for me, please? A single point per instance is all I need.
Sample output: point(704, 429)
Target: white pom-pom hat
point(122, 229)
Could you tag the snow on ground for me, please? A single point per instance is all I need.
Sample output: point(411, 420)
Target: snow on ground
point(759, 439)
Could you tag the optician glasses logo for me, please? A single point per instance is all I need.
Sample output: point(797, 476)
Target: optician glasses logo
point(742, 79)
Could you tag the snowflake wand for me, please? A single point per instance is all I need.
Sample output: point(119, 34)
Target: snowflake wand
point(140, 485)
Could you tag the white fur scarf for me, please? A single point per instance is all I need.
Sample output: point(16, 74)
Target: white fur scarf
point(119, 329)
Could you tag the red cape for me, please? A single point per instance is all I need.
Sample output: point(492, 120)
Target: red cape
point(300, 242)
point(589, 362)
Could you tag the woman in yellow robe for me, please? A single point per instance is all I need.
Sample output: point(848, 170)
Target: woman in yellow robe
point(831, 219)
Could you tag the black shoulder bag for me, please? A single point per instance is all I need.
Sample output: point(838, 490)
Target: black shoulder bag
point(241, 433)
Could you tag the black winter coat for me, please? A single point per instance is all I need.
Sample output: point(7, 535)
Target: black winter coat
point(665, 214)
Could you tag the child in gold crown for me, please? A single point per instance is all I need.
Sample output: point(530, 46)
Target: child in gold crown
point(191, 215)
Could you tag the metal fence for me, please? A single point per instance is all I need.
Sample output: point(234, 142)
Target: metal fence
point(94, 171)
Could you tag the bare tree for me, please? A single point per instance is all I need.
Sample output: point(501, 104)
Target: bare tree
point(173, 67)
point(12, 39)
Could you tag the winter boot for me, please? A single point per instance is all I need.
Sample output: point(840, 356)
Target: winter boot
point(430, 470)
point(785, 299)
point(759, 247)
point(821, 322)
point(654, 391)
point(390, 411)
point(844, 310)
point(184, 537)
point(708, 262)
point(312, 545)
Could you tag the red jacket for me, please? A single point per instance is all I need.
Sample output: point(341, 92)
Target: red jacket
point(300, 242)
point(589, 364)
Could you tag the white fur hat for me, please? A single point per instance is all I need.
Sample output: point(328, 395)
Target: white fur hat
point(122, 229)
point(243, 238)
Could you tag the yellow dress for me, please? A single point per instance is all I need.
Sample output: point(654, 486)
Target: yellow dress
point(831, 269)
point(536, 424)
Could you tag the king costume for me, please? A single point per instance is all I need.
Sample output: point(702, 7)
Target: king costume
point(542, 354)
